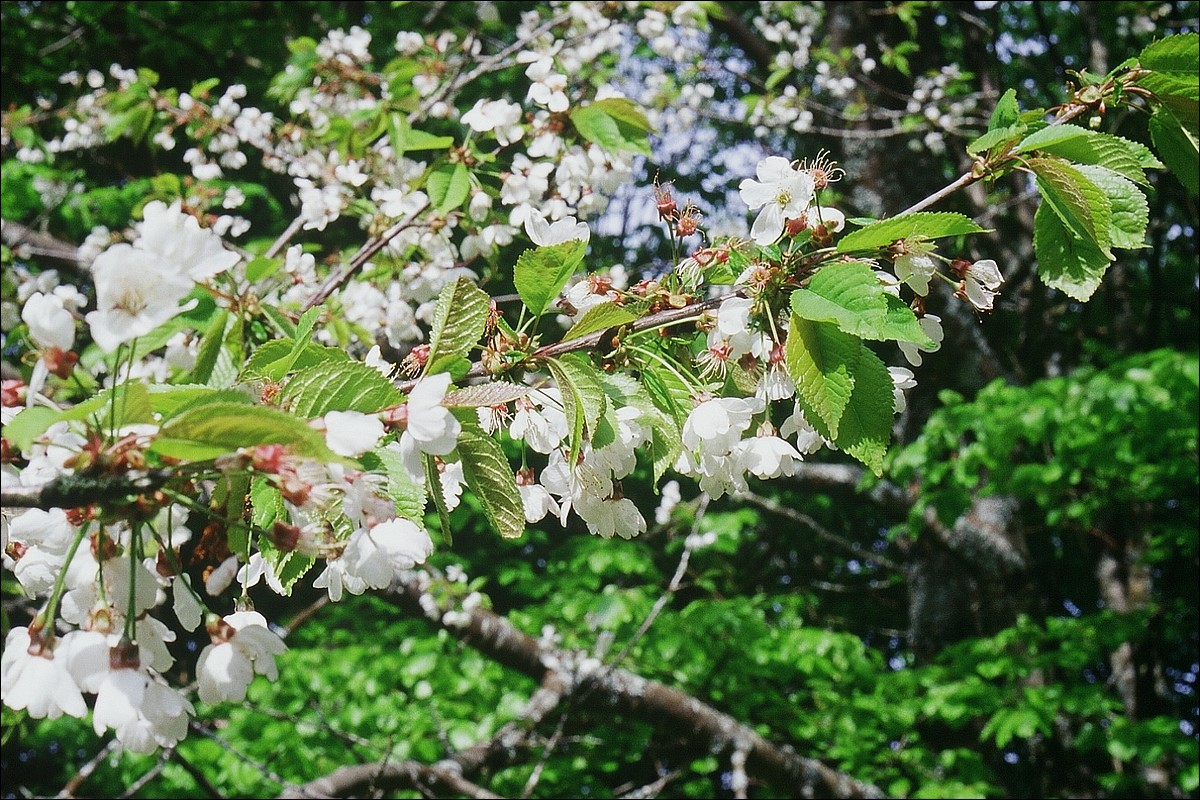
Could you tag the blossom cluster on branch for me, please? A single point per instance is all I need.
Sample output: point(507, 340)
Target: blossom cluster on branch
point(255, 375)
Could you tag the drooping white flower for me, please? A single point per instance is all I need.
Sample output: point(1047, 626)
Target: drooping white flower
point(430, 425)
point(38, 683)
point(609, 516)
point(226, 668)
point(980, 283)
point(781, 191)
point(716, 425)
point(932, 325)
point(768, 456)
point(373, 557)
point(808, 441)
point(902, 378)
point(916, 266)
point(143, 713)
point(543, 233)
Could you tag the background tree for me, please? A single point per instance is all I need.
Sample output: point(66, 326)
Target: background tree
point(1009, 610)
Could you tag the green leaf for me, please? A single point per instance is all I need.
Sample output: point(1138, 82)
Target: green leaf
point(491, 478)
point(582, 394)
point(996, 137)
point(666, 440)
point(459, 319)
point(615, 123)
point(1177, 53)
point(850, 296)
point(599, 317)
point(264, 360)
point(339, 386)
point(1006, 113)
point(300, 343)
point(266, 503)
point(1177, 147)
point(866, 423)
point(404, 137)
point(260, 267)
point(1079, 203)
point(821, 360)
point(926, 225)
point(170, 400)
point(408, 495)
point(1130, 211)
point(1091, 147)
point(485, 394)
point(207, 431)
point(210, 348)
point(433, 484)
point(542, 272)
point(448, 186)
point(1068, 262)
point(28, 424)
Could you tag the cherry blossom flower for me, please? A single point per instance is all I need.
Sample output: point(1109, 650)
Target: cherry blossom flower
point(500, 117)
point(37, 682)
point(430, 427)
point(768, 456)
point(979, 282)
point(244, 646)
point(352, 433)
point(915, 265)
point(50, 323)
point(781, 191)
point(135, 293)
point(902, 379)
point(932, 325)
point(543, 233)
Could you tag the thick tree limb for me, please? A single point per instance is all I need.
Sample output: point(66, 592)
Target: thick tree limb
point(29, 242)
point(73, 491)
point(639, 697)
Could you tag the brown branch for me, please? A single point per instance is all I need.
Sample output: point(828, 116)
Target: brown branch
point(641, 698)
point(29, 242)
point(362, 780)
point(74, 491)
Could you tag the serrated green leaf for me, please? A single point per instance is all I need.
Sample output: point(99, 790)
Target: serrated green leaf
point(459, 319)
point(1070, 263)
point(996, 137)
point(615, 124)
point(485, 394)
point(927, 225)
point(668, 392)
point(304, 328)
point(490, 477)
point(28, 425)
point(1175, 55)
point(850, 296)
point(262, 362)
point(408, 495)
point(582, 394)
point(266, 503)
point(339, 386)
point(1006, 112)
point(207, 431)
point(289, 567)
point(259, 267)
point(1130, 211)
point(821, 360)
point(1090, 147)
point(1079, 203)
point(169, 400)
point(210, 348)
point(403, 137)
point(448, 186)
point(541, 273)
point(866, 423)
point(433, 487)
point(1177, 148)
point(599, 317)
